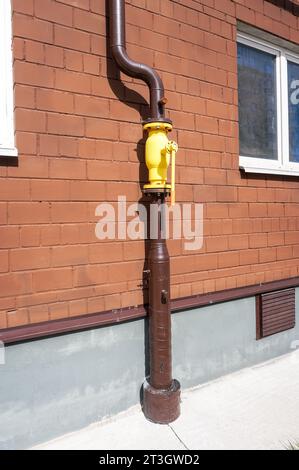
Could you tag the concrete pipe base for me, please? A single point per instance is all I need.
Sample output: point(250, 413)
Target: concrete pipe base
point(161, 406)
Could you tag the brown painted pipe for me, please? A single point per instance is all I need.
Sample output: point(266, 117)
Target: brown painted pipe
point(159, 309)
point(129, 66)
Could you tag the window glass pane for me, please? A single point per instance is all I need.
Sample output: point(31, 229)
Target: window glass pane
point(257, 103)
point(293, 74)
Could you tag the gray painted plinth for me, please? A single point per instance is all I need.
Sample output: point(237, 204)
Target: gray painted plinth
point(57, 385)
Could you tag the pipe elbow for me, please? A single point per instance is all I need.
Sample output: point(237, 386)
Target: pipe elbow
point(137, 70)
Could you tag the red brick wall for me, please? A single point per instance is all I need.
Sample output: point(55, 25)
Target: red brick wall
point(77, 147)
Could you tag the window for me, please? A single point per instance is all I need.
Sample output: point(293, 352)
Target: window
point(7, 146)
point(268, 83)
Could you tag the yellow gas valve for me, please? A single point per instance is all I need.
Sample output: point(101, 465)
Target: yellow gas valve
point(159, 150)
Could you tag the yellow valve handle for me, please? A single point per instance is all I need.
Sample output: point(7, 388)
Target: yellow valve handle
point(172, 148)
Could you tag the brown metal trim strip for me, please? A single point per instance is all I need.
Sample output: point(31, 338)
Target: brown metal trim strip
point(85, 322)
point(68, 325)
point(232, 294)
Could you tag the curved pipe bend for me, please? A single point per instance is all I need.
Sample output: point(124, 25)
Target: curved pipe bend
point(129, 66)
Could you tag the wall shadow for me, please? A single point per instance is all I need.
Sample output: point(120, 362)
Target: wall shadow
point(287, 5)
point(9, 161)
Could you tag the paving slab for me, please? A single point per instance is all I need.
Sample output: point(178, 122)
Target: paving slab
point(255, 408)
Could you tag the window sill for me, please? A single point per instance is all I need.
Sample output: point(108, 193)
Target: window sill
point(270, 171)
point(8, 152)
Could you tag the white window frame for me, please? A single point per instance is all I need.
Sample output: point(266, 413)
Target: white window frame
point(282, 165)
point(7, 138)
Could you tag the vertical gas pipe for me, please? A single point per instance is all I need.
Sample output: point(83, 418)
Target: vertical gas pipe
point(161, 393)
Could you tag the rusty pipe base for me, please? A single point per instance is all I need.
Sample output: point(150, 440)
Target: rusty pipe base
point(161, 406)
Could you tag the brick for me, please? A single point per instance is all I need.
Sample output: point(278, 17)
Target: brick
point(59, 310)
point(17, 318)
point(90, 275)
point(9, 237)
point(101, 129)
point(62, 124)
point(30, 120)
point(87, 191)
point(90, 22)
point(15, 284)
point(214, 176)
point(29, 258)
point(126, 271)
point(191, 175)
point(47, 190)
point(207, 124)
point(52, 279)
point(113, 301)
point(73, 60)
point(69, 255)
point(3, 261)
point(23, 7)
point(3, 321)
point(249, 257)
point(32, 28)
point(83, 4)
point(31, 212)
point(50, 235)
point(26, 143)
point(227, 194)
point(68, 146)
point(3, 213)
point(258, 240)
point(18, 48)
point(53, 100)
point(91, 64)
point(34, 52)
point(267, 255)
point(91, 106)
point(231, 258)
point(238, 242)
point(258, 210)
point(14, 190)
point(48, 145)
point(96, 305)
point(102, 171)
point(24, 96)
point(105, 252)
point(53, 56)
point(218, 211)
point(67, 168)
point(77, 307)
point(38, 313)
point(54, 12)
point(33, 74)
point(245, 14)
point(29, 236)
point(215, 244)
point(69, 212)
point(67, 37)
point(72, 81)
